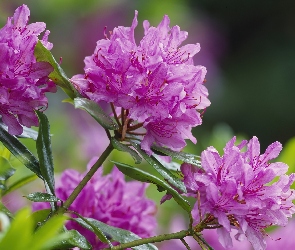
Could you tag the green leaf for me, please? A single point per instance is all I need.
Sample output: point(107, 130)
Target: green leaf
point(117, 234)
point(41, 197)
point(20, 235)
point(39, 217)
point(57, 75)
point(5, 153)
point(121, 147)
point(21, 229)
point(96, 112)
point(287, 156)
point(143, 176)
point(164, 172)
point(6, 170)
point(20, 152)
point(49, 233)
point(181, 156)
point(74, 239)
point(68, 100)
point(43, 145)
point(21, 182)
point(100, 234)
point(5, 210)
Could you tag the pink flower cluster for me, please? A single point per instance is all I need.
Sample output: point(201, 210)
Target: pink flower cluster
point(23, 81)
point(108, 199)
point(238, 191)
point(156, 81)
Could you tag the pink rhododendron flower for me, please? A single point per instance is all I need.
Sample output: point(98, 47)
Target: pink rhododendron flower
point(237, 191)
point(23, 81)
point(154, 82)
point(109, 199)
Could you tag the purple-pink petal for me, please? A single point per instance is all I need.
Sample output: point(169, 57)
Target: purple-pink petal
point(109, 199)
point(23, 80)
point(154, 80)
point(240, 192)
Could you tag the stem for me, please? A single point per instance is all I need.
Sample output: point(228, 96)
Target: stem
point(124, 128)
point(115, 114)
point(88, 176)
point(108, 134)
point(185, 244)
point(199, 242)
point(202, 242)
point(136, 126)
point(122, 116)
point(159, 238)
point(135, 133)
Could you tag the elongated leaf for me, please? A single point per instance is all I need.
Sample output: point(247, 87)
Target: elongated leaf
point(5, 153)
point(6, 170)
point(121, 147)
point(100, 234)
point(19, 232)
point(49, 233)
point(181, 156)
point(21, 182)
point(41, 197)
point(39, 217)
point(44, 151)
point(20, 152)
point(164, 172)
point(74, 239)
point(20, 235)
point(2, 186)
point(5, 210)
point(143, 176)
point(58, 75)
point(96, 112)
point(117, 234)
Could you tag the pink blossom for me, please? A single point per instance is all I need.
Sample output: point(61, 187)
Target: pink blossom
point(155, 82)
point(23, 81)
point(109, 199)
point(238, 190)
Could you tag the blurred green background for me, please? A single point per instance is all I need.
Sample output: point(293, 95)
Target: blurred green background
point(248, 48)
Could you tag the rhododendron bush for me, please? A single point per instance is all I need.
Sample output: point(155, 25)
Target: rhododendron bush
point(147, 97)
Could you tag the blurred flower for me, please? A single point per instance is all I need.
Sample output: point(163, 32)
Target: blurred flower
point(15, 200)
point(282, 238)
point(108, 199)
point(236, 191)
point(155, 83)
point(23, 81)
